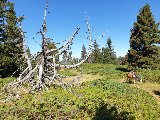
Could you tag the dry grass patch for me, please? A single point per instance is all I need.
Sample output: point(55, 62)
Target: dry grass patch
point(83, 78)
point(152, 88)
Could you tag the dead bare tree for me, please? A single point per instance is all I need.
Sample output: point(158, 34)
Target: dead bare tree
point(44, 72)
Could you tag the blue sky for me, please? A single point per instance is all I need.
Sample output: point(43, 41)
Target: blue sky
point(116, 16)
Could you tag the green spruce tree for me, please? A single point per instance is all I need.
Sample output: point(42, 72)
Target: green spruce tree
point(143, 51)
point(83, 53)
point(108, 54)
point(70, 57)
point(64, 57)
point(96, 55)
point(52, 45)
point(10, 44)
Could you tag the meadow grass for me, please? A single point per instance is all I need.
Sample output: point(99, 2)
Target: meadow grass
point(101, 96)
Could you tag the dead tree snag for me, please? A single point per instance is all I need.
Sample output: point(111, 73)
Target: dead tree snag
point(43, 72)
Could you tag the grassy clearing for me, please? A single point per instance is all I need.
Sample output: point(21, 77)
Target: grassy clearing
point(151, 78)
point(84, 78)
point(151, 88)
point(102, 96)
point(118, 74)
point(68, 72)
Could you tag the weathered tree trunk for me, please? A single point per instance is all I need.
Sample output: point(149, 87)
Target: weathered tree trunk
point(44, 73)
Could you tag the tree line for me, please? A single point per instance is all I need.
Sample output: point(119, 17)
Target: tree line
point(101, 55)
point(144, 51)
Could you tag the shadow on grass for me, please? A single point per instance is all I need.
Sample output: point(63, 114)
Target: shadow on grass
point(123, 69)
point(111, 113)
point(156, 92)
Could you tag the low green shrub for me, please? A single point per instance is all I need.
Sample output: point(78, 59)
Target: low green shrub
point(108, 70)
point(150, 75)
point(4, 81)
point(97, 100)
point(136, 102)
point(68, 72)
point(119, 72)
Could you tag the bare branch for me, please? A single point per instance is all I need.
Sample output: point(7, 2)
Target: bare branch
point(66, 44)
point(46, 67)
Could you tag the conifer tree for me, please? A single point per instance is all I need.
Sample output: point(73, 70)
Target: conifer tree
point(70, 56)
point(97, 58)
point(143, 51)
point(52, 45)
point(83, 53)
point(10, 45)
point(64, 57)
point(108, 54)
